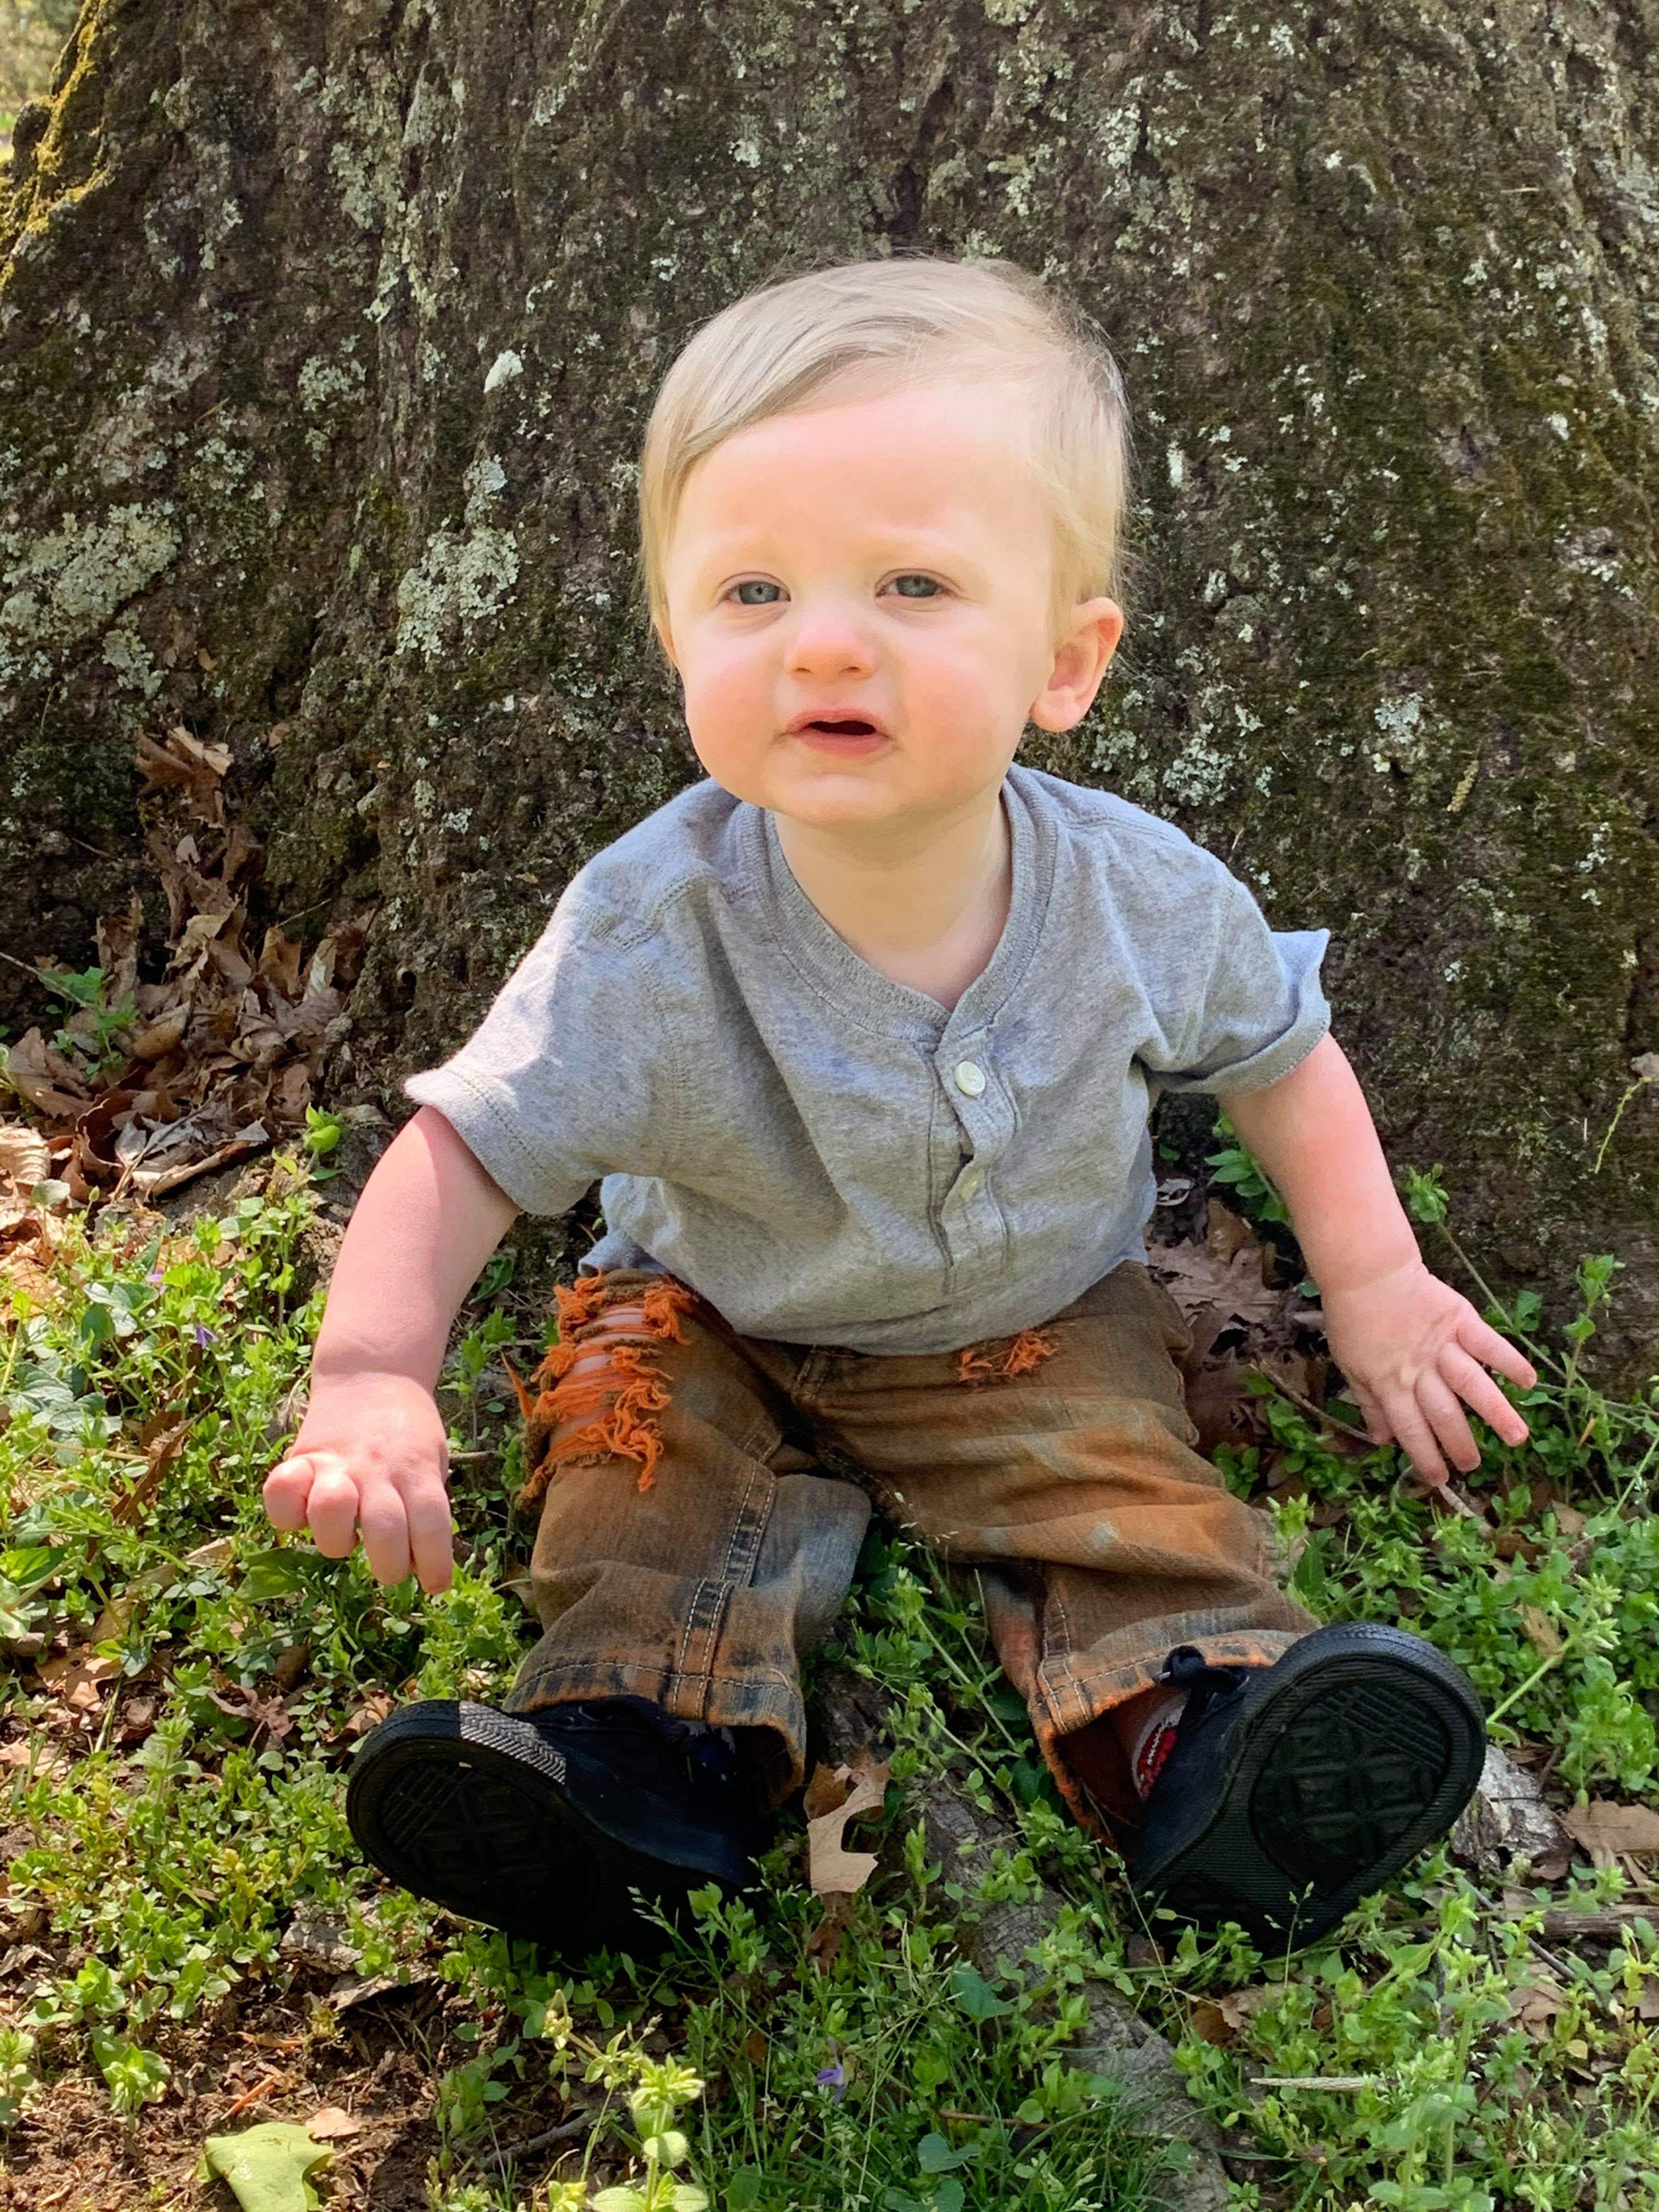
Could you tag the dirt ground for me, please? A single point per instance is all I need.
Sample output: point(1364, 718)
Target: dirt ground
point(372, 2067)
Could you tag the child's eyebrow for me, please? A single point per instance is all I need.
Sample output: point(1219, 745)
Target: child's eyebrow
point(889, 545)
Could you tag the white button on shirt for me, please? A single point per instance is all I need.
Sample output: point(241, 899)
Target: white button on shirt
point(970, 1077)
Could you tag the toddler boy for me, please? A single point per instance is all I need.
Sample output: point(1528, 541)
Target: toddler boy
point(861, 1034)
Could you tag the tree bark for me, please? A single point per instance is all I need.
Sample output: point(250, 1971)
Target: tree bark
point(326, 335)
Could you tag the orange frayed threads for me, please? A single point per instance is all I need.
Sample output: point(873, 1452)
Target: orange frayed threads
point(1026, 1351)
point(608, 1408)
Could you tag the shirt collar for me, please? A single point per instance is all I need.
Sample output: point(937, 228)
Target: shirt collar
point(875, 1000)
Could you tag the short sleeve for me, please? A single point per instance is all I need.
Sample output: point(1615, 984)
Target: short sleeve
point(551, 1089)
point(1254, 1009)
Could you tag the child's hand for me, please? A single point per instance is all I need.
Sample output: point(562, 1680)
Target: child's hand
point(1411, 1348)
point(371, 1454)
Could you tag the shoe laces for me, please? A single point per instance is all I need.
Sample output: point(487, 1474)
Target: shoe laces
point(1209, 1689)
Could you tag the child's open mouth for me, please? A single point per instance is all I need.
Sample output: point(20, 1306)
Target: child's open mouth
point(839, 733)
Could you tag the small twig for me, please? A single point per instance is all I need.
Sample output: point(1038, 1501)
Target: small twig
point(548, 2137)
point(1315, 2081)
point(1307, 1405)
point(252, 2096)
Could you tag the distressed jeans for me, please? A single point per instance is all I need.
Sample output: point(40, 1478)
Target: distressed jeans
point(703, 1496)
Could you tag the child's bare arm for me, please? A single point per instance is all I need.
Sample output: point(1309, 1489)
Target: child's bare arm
point(371, 1454)
point(1411, 1346)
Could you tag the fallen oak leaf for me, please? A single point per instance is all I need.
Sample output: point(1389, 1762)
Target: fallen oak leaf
point(1607, 1830)
point(1199, 1277)
point(832, 1870)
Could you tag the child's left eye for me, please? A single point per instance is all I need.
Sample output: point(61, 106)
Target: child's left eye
point(914, 586)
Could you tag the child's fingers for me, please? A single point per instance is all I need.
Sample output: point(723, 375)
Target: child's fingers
point(1416, 1439)
point(427, 1511)
point(1476, 1389)
point(1445, 1417)
point(332, 1509)
point(386, 1532)
point(286, 1490)
point(1372, 1412)
point(1483, 1343)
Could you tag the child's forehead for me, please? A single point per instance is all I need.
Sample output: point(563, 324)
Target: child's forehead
point(933, 452)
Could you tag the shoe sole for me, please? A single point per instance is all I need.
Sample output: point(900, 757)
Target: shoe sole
point(1364, 1750)
point(467, 1806)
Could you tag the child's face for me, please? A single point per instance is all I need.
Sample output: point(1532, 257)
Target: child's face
point(882, 565)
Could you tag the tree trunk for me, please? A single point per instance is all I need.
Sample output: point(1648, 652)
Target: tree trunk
point(326, 336)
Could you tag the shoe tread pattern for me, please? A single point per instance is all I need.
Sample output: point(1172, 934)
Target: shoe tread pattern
point(1352, 1775)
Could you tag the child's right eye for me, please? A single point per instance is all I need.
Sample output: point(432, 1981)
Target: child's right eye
point(756, 591)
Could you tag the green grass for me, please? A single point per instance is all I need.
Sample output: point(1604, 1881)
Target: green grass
point(746, 2063)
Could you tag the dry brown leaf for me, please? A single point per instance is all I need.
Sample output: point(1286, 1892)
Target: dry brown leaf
point(1607, 1830)
point(1210, 2023)
point(832, 1870)
point(332, 2125)
point(1226, 1233)
point(184, 764)
point(155, 1039)
point(116, 936)
point(151, 1183)
point(1535, 2004)
point(828, 1788)
point(1200, 1279)
point(825, 1940)
point(1541, 1631)
point(29, 1070)
point(23, 1154)
point(34, 1754)
point(1220, 2020)
point(164, 1447)
point(78, 1678)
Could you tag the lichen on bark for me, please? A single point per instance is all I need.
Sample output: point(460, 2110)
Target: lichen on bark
point(325, 339)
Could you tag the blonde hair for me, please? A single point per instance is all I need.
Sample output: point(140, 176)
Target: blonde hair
point(887, 323)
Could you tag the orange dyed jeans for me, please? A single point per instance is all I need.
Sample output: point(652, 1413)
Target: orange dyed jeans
point(703, 1496)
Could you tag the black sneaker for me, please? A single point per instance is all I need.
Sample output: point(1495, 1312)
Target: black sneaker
point(1293, 1790)
point(542, 1823)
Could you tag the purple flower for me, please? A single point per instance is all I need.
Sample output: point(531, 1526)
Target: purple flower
point(156, 1275)
point(205, 1336)
point(834, 2077)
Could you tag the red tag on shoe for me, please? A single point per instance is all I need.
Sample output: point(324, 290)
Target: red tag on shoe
point(1155, 1747)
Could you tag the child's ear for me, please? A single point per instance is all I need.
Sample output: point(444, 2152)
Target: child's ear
point(1085, 646)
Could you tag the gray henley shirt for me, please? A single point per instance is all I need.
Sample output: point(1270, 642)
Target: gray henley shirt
point(832, 1158)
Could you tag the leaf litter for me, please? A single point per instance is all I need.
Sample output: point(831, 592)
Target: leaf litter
point(148, 1085)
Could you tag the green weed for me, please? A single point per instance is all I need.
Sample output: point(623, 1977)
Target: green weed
point(1443, 2052)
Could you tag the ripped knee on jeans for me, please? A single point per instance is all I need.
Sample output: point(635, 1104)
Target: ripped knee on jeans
point(598, 1392)
point(1018, 1355)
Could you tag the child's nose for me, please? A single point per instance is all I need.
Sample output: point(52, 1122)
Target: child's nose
point(829, 640)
